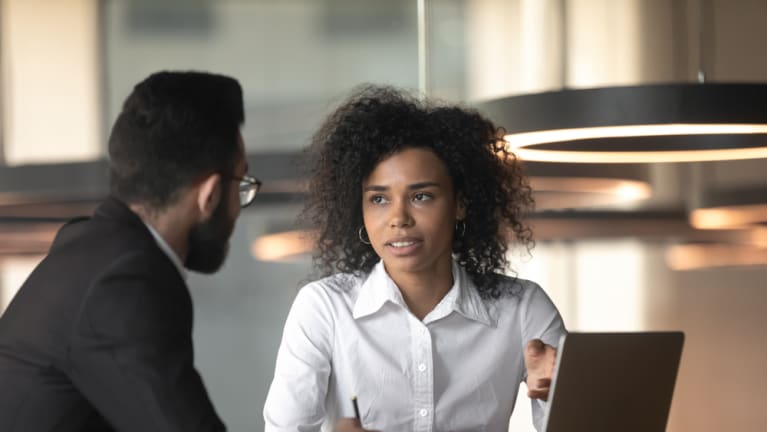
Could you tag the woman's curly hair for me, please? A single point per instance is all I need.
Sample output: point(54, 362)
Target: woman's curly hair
point(378, 121)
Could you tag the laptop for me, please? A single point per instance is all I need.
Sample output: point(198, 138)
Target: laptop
point(608, 382)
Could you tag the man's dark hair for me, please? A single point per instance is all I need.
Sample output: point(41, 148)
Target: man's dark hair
point(174, 128)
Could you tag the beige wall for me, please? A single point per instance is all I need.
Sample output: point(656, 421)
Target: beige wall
point(50, 81)
point(722, 384)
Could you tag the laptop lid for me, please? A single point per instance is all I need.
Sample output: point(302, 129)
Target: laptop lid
point(607, 382)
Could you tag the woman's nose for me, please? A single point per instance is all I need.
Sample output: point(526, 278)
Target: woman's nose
point(400, 215)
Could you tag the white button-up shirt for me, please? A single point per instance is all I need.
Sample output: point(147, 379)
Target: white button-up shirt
point(457, 370)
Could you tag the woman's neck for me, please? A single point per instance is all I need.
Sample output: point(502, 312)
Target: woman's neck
point(422, 291)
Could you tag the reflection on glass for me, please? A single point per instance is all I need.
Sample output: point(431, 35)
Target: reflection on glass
point(293, 58)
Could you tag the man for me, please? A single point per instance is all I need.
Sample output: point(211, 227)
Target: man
point(99, 336)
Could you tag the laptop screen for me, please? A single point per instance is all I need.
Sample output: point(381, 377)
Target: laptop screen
point(607, 382)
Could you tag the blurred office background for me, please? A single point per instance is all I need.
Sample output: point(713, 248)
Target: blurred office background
point(633, 264)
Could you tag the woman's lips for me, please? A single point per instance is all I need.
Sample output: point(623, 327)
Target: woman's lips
point(403, 246)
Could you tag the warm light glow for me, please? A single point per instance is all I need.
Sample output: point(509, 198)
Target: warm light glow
point(284, 246)
point(702, 256)
point(631, 191)
point(758, 237)
point(728, 217)
point(609, 186)
point(572, 192)
point(519, 143)
point(559, 135)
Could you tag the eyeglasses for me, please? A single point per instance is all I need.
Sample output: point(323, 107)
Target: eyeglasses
point(249, 187)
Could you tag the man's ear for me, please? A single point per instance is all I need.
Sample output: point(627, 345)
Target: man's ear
point(208, 195)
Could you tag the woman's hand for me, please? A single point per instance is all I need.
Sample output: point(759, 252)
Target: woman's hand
point(539, 361)
point(349, 425)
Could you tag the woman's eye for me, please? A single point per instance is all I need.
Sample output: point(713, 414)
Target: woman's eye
point(377, 199)
point(421, 196)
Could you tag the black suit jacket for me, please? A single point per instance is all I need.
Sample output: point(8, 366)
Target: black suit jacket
point(99, 336)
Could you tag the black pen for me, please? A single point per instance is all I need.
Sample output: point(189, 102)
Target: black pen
point(356, 409)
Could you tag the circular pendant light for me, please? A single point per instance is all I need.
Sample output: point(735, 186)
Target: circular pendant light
point(573, 186)
point(285, 246)
point(683, 122)
point(685, 257)
point(730, 208)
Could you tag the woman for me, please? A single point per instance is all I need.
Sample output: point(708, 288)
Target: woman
point(414, 204)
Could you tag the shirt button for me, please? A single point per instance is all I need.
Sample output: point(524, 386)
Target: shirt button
point(421, 367)
point(423, 412)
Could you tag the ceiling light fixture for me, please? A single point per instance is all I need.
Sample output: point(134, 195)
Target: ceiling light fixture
point(283, 246)
point(683, 122)
point(730, 208)
point(673, 122)
point(557, 187)
point(705, 256)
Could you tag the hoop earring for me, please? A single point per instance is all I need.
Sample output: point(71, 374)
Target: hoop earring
point(460, 228)
point(362, 239)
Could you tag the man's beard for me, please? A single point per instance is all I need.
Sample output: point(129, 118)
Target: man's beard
point(209, 241)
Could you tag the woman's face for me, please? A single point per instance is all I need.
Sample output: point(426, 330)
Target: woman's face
point(409, 209)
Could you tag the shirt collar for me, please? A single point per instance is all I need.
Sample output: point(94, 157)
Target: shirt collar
point(467, 300)
point(463, 297)
point(168, 251)
point(377, 289)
